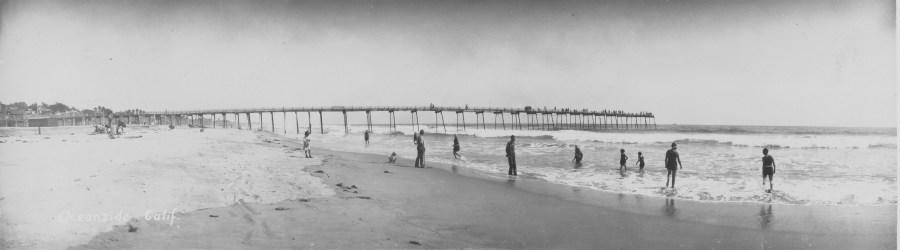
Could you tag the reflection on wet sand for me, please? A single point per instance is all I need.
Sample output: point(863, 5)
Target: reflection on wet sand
point(669, 209)
point(511, 181)
point(765, 216)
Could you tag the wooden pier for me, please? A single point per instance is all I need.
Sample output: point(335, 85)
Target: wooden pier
point(534, 118)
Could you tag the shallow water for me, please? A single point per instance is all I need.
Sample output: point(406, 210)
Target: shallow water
point(838, 166)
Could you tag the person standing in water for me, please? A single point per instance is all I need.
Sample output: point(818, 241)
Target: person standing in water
point(420, 150)
point(511, 155)
point(455, 147)
point(623, 159)
point(768, 168)
point(640, 161)
point(578, 155)
point(673, 162)
point(306, 150)
point(366, 136)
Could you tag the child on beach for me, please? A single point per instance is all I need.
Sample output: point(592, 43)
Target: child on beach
point(640, 161)
point(623, 159)
point(392, 158)
point(120, 127)
point(768, 168)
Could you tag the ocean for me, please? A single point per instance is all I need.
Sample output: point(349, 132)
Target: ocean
point(815, 165)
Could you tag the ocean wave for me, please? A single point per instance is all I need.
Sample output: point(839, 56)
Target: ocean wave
point(883, 145)
point(785, 130)
point(775, 140)
point(702, 141)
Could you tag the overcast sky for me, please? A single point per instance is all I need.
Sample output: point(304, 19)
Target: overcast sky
point(827, 63)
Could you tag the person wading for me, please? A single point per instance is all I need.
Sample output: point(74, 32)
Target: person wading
point(673, 162)
point(511, 155)
point(366, 137)
point(455, 147)
point(578, 155)
point(768, 168)
point(420, 150)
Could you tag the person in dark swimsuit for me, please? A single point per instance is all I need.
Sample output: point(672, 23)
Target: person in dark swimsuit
point(578, 155)
point(511, 155)
point(623, 159)
point(420, 150)
point(366, 136)
point(455, 147)
point(640, 161)
point(673, 162)
point(768, 168)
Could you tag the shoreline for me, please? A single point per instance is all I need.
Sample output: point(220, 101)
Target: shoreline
point(853, 217)
point(716, 171)
point(398, 210)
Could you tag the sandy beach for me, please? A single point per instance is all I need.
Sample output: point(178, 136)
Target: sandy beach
point(91, 182)
point(242, 189)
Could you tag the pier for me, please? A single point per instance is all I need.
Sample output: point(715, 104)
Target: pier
point(526, 118)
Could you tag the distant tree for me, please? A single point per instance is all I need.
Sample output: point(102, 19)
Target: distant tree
point(17, 107)
point(58, 108)
point(103, 110)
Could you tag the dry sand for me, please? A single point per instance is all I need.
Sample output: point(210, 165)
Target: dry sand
point(379, 205)
point(65, 186)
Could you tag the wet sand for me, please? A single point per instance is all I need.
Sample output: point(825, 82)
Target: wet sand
point(380, 205)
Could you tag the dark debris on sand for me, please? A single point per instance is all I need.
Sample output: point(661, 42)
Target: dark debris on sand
point(349, 189)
